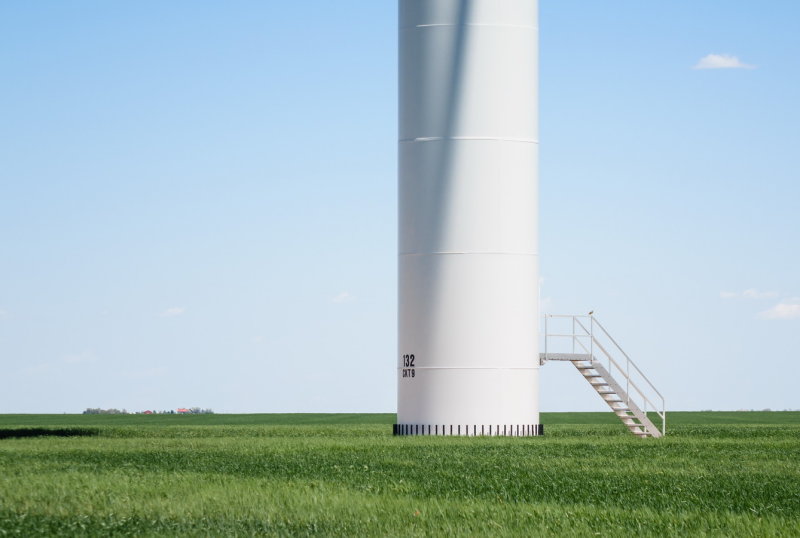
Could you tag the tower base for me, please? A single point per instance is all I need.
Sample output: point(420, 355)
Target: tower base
point(470, 430)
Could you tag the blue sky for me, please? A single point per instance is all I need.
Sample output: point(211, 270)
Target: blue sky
point(198, 201)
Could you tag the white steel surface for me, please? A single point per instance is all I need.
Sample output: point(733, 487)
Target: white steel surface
point(468, 253)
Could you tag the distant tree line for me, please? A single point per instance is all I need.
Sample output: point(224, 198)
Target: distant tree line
point(113, 411)
point(198, 411)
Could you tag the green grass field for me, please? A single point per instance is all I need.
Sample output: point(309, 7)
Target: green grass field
point(723, 474)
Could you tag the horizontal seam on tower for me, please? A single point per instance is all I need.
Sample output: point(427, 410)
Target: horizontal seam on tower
point(472, 252)
point(492, 138)
point(468, 368)
point(433, 25)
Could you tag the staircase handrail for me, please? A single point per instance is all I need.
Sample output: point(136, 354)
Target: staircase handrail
point(592, 341)
point(629, 381)
point(627, 357)
point(662, 413)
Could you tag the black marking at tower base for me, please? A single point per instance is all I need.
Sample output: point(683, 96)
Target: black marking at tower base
point(470, 430)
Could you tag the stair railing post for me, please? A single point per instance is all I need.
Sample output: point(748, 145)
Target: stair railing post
point(628, 380)
point(545, 336)
point(591, 338)
point(574, 336)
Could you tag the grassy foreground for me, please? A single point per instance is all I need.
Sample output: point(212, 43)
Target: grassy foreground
point(716, 473)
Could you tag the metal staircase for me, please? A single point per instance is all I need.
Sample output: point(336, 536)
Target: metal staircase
point(631, 396)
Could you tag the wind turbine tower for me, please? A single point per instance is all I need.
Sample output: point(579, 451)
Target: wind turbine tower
point(468, 357)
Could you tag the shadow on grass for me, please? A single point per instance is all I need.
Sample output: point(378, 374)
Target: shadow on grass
point(11, 433)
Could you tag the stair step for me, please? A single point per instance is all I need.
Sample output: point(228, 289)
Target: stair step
point(605, 384)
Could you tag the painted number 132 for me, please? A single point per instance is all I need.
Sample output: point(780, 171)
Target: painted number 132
point(408, 366)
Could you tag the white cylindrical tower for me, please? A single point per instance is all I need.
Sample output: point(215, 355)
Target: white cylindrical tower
point(468, 357)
